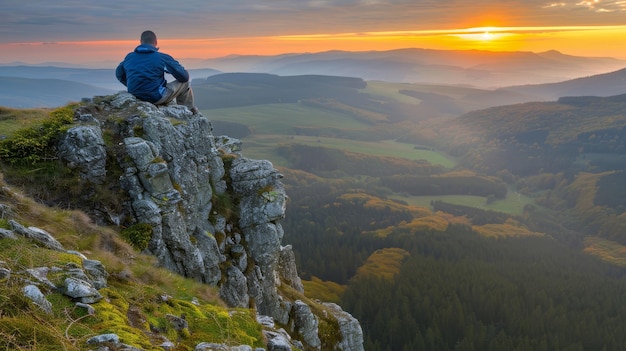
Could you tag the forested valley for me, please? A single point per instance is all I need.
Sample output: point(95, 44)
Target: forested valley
point(454, 289)
point(498, 228)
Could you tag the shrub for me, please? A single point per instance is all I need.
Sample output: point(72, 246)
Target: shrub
point(138, 235)
point(36, 143)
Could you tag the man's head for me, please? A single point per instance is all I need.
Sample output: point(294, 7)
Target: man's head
point(148, 37)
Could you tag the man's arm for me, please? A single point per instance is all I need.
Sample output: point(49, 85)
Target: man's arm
point(176, 69)
point(120, 73)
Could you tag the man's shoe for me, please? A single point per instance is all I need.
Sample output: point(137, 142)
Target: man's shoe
point(194, 110)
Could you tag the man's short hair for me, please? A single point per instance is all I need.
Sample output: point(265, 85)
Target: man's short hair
point(148, 37)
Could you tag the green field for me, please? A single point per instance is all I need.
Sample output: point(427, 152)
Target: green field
point(390, 90)
point(273, 124)
point(264, 146)
point(282, 118)
point(513, 204)
point(16, 119)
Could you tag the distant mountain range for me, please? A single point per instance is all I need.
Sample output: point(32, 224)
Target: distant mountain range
point(28, 93)
point(496, 78)
point(482, 69)
point(51, 86)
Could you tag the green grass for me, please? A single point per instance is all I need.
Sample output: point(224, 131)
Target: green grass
point(513, 204)
point(323, 290)
point(391, 90)
point(282, 118)
point(12, 120)
point(132, 298)
point(263, 147)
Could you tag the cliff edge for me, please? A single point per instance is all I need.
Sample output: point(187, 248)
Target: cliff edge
point(193, 201)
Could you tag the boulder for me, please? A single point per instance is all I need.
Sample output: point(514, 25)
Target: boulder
point(349, 327)
point(305, 324)
point(36, 234)
point(81, 290)
point(38, 298)
point(83, 148)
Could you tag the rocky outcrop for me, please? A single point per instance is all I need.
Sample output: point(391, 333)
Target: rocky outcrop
point(78, 282)
point(214, 215)
point(84, 150)
point(349, 327)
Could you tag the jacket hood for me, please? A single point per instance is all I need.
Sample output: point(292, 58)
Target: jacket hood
point(146, 48)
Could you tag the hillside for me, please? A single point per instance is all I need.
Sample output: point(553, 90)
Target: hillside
point(606, 84)
point(136, 305)
point(568, 155)
point(49, 86)
point(244, 89)
point(29, 92)
point(559, 133)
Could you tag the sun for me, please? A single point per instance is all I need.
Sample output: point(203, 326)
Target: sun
point(486, 36)
point(481, 34)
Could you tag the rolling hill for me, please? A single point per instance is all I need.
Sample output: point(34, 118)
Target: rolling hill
point(606, 84)
point(50, 86)
point(483, 69)
point(28, 92)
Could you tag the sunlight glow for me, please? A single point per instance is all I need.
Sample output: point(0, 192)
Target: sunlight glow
point(488, 36)
point(574, 40)
point(604, 41)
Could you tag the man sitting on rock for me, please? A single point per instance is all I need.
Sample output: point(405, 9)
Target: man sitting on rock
point(143, 73)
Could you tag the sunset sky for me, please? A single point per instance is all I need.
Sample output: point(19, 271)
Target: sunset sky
point(99, 32)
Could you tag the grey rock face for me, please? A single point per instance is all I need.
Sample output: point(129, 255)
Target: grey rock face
point(288, 270)
point(278, 341)
point(305, 324)
point(234, 289)
point(176, 322)
point(41, 274)
point(6, 211)
point(123, 99)
point(83, 148)
point(97, 273)
point(351, 332)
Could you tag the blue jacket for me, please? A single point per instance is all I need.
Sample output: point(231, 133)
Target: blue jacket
point(142, 72)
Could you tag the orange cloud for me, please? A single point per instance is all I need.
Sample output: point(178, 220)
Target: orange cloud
point(574, 40)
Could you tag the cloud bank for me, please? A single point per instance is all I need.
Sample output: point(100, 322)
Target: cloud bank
point(72, 20)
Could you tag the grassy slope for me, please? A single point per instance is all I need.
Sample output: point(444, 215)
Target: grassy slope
point(12, 119)
point(135, 288)
point(280, 119)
